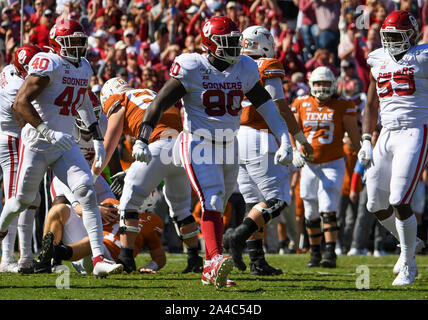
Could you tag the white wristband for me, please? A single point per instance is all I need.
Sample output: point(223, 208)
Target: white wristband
point(300, 137)
point(151, 265)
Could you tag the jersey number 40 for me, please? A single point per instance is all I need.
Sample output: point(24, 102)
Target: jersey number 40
point(65, 100)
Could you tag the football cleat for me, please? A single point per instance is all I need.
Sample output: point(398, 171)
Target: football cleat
point(329, 260)
point(194, 264)
point(221, 267)
point(262, 268)
point(406, 275)
point(103, 267)
point(315, 260)
point(43, 264)
point(236, 248)
point(357, 252)
point(9, 267)
point(207, 279)
point(418, 248)
point(26, 266)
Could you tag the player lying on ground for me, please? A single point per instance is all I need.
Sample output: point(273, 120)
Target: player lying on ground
point(65, 238)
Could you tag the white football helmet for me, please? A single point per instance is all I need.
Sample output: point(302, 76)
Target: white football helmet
point(258, 41)
point(113, 86)
point(322, 74)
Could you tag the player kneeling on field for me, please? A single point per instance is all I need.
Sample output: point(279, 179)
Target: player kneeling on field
point(65, 238)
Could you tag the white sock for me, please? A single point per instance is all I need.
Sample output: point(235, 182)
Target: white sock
point(8, 243)
point(93, 225)
point(407, 230)
point(25, 233)
point(91, 217)
point(389, 224)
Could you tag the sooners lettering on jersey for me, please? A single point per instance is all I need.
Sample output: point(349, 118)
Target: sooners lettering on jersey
point(269, 68)
point(213, 99)
point(322, 125)
point(402, 86)
point(57, 104)
point(135, 103)
point(151, 228)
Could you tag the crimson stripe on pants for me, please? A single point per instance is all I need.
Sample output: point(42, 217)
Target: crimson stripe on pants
point(12, 166)
point(21, 159)
point(190, 173)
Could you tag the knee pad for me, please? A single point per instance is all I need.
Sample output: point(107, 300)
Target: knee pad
point(329, 218)
point(274, 207)
point(188, 220)
point(86, 196)
point(124, 214)
point(314, 224)
point(36, 203)
point(15, 206)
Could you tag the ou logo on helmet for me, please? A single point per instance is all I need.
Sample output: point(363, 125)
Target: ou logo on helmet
point(22, 55)
point(207, 29)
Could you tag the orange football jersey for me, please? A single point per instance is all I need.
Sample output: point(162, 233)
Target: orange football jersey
point(149, 236)
point(269, 68)
point(322, 124)
point(135, 103)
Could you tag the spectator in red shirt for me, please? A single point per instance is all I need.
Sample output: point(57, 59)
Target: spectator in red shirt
point(40, 35)
point(35, 17)
point(111, 12)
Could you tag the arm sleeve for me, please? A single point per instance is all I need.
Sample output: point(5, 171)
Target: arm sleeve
point(275, 89)
point(86, 111)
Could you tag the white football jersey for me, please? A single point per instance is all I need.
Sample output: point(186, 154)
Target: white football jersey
point(87, 147)
point(57, 104)
point(213, 99)
point(9, 84)
point(402, 86)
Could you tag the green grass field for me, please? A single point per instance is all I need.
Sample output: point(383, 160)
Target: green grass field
point(297, 283)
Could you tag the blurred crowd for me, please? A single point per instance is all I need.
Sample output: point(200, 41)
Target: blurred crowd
point(138, 40)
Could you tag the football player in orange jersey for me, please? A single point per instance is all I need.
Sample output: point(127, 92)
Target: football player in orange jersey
point(324, 118)
point(65, 237)
point(125, 107)
point(264, 186)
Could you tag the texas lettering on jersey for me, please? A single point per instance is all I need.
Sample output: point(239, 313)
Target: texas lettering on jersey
point(322, 125)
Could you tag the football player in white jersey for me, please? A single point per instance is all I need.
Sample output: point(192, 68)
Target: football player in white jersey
point(84, 140)
point(399, 87)
point(260, 188)
point(11, 80)
point(48, 101)
point(212, 87)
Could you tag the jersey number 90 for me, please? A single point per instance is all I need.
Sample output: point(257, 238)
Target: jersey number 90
point(218, 102)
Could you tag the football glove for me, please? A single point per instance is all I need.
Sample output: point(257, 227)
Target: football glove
point(60, 139)
point(365, 153)
point(284, 155)
point(141, 152)
point(118, 180)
